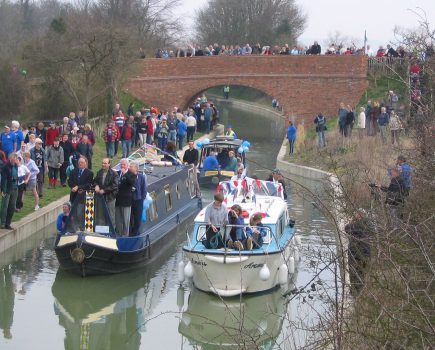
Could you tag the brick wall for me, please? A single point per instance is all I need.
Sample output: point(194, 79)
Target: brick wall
point(304, 85)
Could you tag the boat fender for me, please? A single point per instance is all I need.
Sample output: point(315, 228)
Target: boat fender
point(181, 272)
point(180, 298)
point(296, 254)
point(291, 265)
point(264, 273)
point(77, 255)
point(283, 275)
point(188, 270)
point(298, 240)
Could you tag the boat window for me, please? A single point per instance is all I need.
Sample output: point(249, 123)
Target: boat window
point(152, 210)
point(177, 191)
point(168, 198)
point(200, 233)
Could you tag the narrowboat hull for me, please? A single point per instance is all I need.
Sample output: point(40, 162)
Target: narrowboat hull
point(88, 254)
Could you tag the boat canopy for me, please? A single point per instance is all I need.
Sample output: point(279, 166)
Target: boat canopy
point(249, 188)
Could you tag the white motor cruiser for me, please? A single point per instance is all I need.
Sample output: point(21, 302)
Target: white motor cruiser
point(229, 271)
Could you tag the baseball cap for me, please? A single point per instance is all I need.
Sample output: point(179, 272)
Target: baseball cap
point(276, 171)
point(38, 140)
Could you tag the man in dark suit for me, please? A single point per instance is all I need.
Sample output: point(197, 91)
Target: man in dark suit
point(124, 198)
point(106, 184)
point(80, 181)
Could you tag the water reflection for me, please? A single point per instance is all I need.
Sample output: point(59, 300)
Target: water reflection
point(250, 321)
point(7, 298)
point(101, 313)
point(109, 312)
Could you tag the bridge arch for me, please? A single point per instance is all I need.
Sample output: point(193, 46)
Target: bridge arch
point(217, 90)
point(304, 85)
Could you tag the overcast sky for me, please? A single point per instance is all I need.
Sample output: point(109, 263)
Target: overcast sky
point(378, 17)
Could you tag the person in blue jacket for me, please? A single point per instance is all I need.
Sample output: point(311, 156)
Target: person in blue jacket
point(8, 141)
point(181, 133)
point(291, 136)
point(210, 163)
point(61, 223)
point(406, 173)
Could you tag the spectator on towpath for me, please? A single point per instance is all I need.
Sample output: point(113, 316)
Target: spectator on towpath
point(9, 190)
point(383, 122)
point(7, 141)
point(51, 134)
point(320, 122)
point(191, 126)
point(342, 116)
point(39, 156)
point(291, 136)
point(181, 133)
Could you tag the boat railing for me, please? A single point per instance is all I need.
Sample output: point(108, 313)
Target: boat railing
point(224, 236)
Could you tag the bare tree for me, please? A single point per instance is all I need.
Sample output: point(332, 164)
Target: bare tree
point(250, 21)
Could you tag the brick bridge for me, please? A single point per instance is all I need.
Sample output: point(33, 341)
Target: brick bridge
point(304, 85)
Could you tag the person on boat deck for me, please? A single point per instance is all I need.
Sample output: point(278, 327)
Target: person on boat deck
point(124, 198)
point(239, 175)
point(255, 232)
point(171, 153)
point(216, 216)
point(232, 162)
point(236, 233)
point(210, 162)
point(139, 195)
point(80, 181)
point(230, 132)
point(63, 217)
point(106, 184)
point(276, 177)
point(191, 155)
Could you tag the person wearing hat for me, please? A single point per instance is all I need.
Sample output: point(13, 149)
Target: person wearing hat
point(230, 132)
point(61, 222)
point(39, 156)
point(51, 134)
point(7, 140)
point(276, 177)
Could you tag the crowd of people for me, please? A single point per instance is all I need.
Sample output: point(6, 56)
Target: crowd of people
point(30, 155)
point(315, 49)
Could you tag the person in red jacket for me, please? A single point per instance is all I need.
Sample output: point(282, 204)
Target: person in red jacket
point(150, 130)
point(111, 136)
point(51, 134)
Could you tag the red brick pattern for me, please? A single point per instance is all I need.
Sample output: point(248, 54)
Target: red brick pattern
point(304, 85)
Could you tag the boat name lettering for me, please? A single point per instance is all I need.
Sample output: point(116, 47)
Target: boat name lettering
point(252, 266)
point(198, 262)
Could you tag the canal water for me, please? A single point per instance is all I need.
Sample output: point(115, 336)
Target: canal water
point(42, 307)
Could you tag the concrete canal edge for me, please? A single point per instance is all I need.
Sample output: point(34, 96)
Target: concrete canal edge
point(331, 180)
point(31, 224)
point(249, 106)
point(47, 215)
